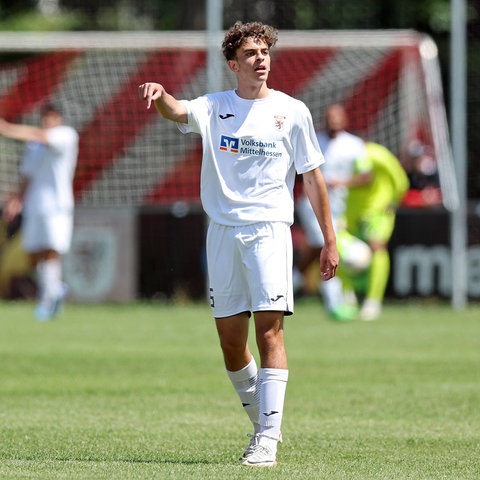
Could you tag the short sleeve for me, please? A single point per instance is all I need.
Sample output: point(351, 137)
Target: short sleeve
point(306, 150)
point(61, 138)
point(198, 112)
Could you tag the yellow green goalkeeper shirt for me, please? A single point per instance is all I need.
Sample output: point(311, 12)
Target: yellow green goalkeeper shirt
point(386, 189)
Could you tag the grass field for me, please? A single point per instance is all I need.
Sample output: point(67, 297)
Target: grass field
point(139, 392)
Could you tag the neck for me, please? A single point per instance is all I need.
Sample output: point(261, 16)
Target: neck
point(254, 92)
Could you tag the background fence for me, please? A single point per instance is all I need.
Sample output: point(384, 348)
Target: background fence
point(432, 17)
point(133, 161)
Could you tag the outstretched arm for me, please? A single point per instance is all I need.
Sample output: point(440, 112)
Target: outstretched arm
point(25, 133)
point(316, 190)
point(167, 105)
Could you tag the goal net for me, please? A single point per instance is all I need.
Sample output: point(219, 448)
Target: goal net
point(129, 156)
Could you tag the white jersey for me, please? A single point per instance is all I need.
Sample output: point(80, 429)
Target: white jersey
point(252, 150)
point(341, 154)
point(50, 169)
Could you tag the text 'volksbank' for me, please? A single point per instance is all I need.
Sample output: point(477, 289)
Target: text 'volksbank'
point(249, 146)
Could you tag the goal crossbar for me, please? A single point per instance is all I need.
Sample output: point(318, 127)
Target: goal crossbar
point(388, 80)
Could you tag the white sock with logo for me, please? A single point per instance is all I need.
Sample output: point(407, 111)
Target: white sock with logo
point(273, 385)
point(245, 382)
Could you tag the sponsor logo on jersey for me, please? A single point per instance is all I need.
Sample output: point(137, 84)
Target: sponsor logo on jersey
point(250, 146)
point(229, 144)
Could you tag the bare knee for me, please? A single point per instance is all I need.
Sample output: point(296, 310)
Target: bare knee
point(233, 337)
point(270, 339)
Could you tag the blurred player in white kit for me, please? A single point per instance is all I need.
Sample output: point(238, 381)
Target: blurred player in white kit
point(45, 200)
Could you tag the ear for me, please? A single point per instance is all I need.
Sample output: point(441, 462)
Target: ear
point(233, 65)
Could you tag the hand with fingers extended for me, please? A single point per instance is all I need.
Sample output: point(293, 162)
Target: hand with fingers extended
point(149, 92)
point(167, 105)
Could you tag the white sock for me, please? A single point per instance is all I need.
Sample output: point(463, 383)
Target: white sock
point(49, 280)
point(273, 385)
point(245, 382)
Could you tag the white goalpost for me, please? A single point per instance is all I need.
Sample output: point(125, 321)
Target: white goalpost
point(389, 81)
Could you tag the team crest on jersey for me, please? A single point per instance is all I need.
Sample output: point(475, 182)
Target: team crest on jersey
point(279, 121)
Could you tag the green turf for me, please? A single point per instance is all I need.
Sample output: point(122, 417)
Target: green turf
point(139, 392)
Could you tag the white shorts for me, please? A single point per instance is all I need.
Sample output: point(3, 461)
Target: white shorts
point(250, 268)
point(47, 232)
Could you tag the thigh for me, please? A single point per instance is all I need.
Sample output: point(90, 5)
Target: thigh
point(227, 282)
point(378, 227)
point(268, 258)
point(34, 237)
point(47, 232)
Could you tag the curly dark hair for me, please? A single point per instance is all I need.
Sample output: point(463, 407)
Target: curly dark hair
point(239, 32)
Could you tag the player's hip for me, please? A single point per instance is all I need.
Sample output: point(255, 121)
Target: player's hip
point(250, 268)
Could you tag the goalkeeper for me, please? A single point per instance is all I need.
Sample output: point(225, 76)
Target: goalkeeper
point(341, 150)
point(370, 215)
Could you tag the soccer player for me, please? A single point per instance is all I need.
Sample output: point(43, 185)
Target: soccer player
point(255, 139)
point(370, 213)
point(341, 150)
point(46, 199)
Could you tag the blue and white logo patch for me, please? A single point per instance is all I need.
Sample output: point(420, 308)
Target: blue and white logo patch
point(229, 144)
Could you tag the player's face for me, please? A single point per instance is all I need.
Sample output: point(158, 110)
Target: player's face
point(252, 61)
point(51, 119)
point(336, 119)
